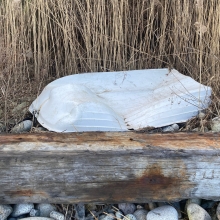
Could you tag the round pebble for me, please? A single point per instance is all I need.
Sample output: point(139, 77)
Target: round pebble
point(20, 209)
point(196, 212)
point(127, 208)
point(129, 217)
point(5, 211)
point(23, 126)
point(166, 212)
point(119, 215)
point(36, 218)
point(57, 215)
point(140, 214)
point(45, 209)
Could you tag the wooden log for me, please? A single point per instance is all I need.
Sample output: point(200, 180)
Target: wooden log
point(108, 167)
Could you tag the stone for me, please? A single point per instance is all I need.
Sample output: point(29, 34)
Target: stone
point(5, 211)
point(176, 205)
point(34, 213)
point(215, 124)
point(57, 215)
point(127, 208)
point(140, 214)
point(91, 206)
point(23, 126)
point(45, 209)
point(119, 215)
point(110, 216)
point(80, 211)
point(21, 209)
point(195, 201)
point(171, 128)
point(196, 212)
point(165, 212)
point(129, 217)
point(36, 218)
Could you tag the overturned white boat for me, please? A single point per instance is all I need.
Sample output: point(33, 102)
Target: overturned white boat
point(118, 101)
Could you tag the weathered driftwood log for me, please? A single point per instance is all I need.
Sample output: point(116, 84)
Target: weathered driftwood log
point(108, 167)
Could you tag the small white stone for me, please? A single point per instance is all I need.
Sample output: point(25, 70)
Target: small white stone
point(57, 215)
point(45, 209)
point(129, 217)
point(20, 209)
point(196, 212)
point(166, 212)
point(5, 211)
point(23, 126)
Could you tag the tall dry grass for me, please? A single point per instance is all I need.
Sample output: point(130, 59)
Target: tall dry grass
point(42, 39)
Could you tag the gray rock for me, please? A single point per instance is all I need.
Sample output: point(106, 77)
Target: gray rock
point(80, 211)
point(45, 209)
point(119, 215)
point(57, 215)
point(176, 205)
point(110, 216)
point(171, 128)
point(23, 126)
point(21, 209)
point(166, 212)
point(130, 217)
point(34, 213)
point(5, 211)
point(36, 218)
point(140, 214)
point(196, 212)
point(215, 124)
point(127, 208)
